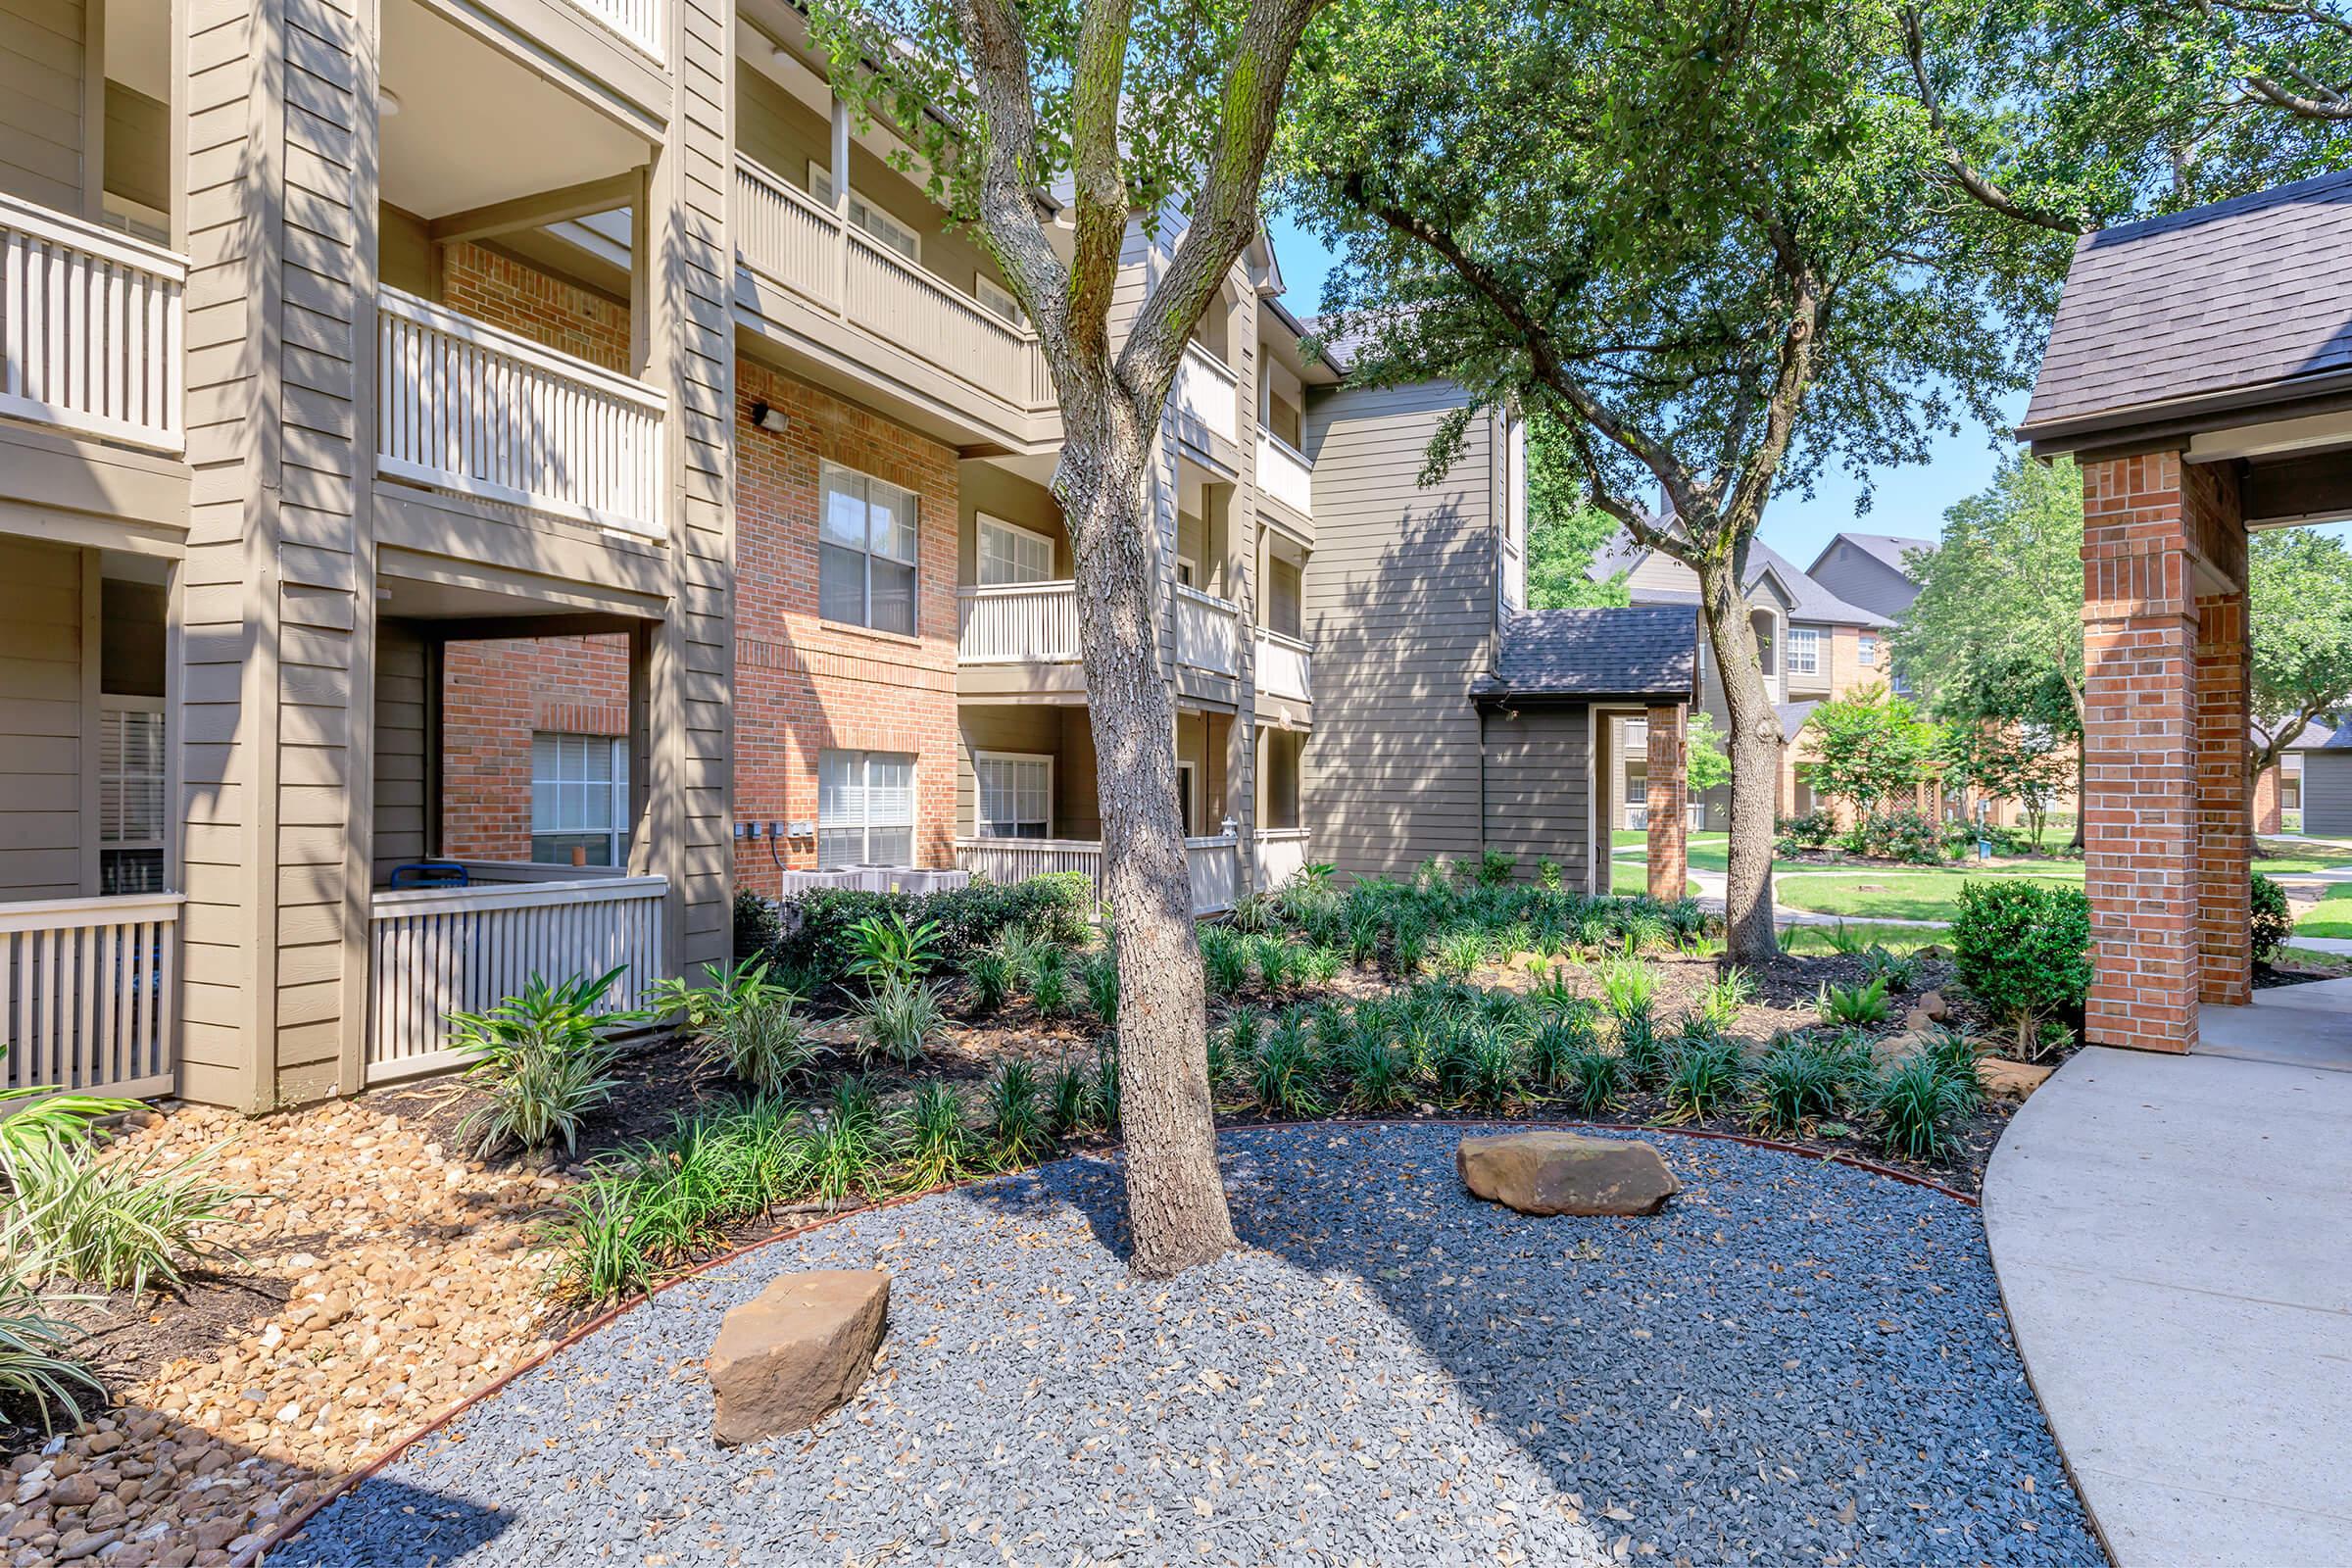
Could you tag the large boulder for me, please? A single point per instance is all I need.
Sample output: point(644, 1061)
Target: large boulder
point(795, 1352)
point(1566, 1173)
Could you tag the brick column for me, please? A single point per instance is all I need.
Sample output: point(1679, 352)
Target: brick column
point(1668, 833)
point(2225, 803)
point(2159, 539)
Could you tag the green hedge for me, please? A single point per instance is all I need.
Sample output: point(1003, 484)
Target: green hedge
point(2023, 945)
point(968, 917)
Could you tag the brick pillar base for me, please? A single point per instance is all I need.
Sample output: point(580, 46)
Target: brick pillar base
point(1669, 835)
point(2159, 537)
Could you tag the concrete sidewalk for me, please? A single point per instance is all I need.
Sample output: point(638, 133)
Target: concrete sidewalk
point(2173, 1240)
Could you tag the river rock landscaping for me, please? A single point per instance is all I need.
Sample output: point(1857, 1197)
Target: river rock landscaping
point(1795, 1362)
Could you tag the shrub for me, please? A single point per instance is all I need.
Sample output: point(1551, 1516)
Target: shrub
point(1547, 873)
point(1854, 1005)
point(1812, 830)
point(1907, 835)
point(899, 1020)
point(39, 1375)
point(1056, 906)
point(758, 926)
point(1495, 869)
point(542, 1060)
point(2273, 922)
point(1100, 975)
point(118, 1224)
point(1282, 1074)
point(892, 950)
point(2023, 948)
point(1917, 1102)
point(1705, 1076)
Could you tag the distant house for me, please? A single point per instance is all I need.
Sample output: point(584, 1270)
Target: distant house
point(2309, 789)
point(1816, 644)
point(1450, 719)
point(1869, 569)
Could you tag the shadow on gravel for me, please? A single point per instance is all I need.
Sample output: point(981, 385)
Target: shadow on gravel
point(413, 1527)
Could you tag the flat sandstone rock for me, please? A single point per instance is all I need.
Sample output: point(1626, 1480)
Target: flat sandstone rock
point(1566, 1173)
point(795, 1352)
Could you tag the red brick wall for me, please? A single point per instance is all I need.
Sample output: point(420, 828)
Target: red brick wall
point(504, 292)
point(1669, 833)
point(493, 696)
point(2166, 834)
point(803, 685)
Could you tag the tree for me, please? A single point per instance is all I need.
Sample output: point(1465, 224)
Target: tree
point(1166, 111)
point(2299, 623)
point(1998, 622)
point(1706, 241)
point(2027, 762)
point(1869, 746)
point(1704, 766)
point(1565, 534)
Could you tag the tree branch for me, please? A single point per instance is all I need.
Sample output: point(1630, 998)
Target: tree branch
point(2334, 107)
point(1978, 185)
point(1011, 223)
point(1792, 375)
point(1225, 212)
point(1098, 85)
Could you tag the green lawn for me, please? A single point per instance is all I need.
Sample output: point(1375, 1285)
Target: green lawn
point(2331, 916)
point(2288, 865)
point(1893, 937)
point(1910, 894)
point(1706, 851)
point(1629, 878)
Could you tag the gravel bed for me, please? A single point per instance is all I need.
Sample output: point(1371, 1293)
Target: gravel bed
point(1798, 1362)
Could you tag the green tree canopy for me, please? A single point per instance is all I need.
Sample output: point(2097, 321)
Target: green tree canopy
point(1566, 532)
point(1869, 747)
point(2299, 620)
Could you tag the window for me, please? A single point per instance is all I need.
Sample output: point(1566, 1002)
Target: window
point(864, 808)
point(1511, 570)
point(1866, 652)
point(1187, 573)
point(579, 799)
point(1183, 798)
point(1804, 650)
point(130, 794)
point(995, 299)
point(1016, 795)
point(1011, 553)
point(867, 218)
point(867, 552)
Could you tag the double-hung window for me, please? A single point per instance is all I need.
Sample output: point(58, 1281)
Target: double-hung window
point(1866, 651)
point(867, 218)
point(1011, 553)
point(579, 799)
point(1804, 650)
point(867, 552)
point(995, 299)
point(130, 794)
point(864, 808)
point(1016, 795)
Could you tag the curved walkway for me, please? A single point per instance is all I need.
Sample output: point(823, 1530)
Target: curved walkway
point(2173, 1240)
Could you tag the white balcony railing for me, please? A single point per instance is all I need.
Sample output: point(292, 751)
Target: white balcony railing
point(1283, 667)
point(1281, 855)
point(86, 994)
point(440, 950)
point(785, 235)
point(1214, 863)
point(485, 412)
point(638, 21)
point(1017, 624)
point(1209, 393)
point(1284, 473)
point(1208, 632)
point(91, 324)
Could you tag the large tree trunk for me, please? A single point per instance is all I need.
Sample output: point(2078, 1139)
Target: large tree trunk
point(1754, 747)
point(1175, 1195)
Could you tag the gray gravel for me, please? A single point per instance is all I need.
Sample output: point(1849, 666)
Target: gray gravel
point(1798, 1362)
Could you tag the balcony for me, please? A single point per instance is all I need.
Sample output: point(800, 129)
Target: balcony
point(1213, 861)
point(91, 322)
point(1281, 855)
point(444, 950)
point(1208, 398)
point(1017, 624)
point(873, 312)
point(1283, 668)
point(639, 21)
point(1208, 633)
point(85, 994)
point(1284, 475)
point(479, 411)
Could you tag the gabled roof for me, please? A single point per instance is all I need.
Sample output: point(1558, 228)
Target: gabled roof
point(1645, 651)
point(2314, 737)
point(1887, 549)
point(1808, 600)
point(2241, 303)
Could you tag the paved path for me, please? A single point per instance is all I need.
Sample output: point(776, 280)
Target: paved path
point(2173, 1240)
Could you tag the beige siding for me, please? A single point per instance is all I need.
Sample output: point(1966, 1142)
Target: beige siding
point(1660, 574)
point(1400, 606)
point(1538, 788)
point(405, 751)
point(985, 487)
point(40, 101)
point(41, 700)
point(138, 147)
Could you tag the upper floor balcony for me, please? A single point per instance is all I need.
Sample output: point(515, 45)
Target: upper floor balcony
point(1284, 473)
point(91, 326)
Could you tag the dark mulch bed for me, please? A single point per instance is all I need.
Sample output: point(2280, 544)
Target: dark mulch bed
point(2301, 973)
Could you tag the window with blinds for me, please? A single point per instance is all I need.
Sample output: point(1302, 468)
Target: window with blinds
point(1011, 554)
point(864, 808)
point(867, 552)
point(1804, 650)
point(867, 218)
point(1016, 795)
point(130, 794)
point(579, 799)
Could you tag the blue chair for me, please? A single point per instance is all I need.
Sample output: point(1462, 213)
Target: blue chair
point(430, 875)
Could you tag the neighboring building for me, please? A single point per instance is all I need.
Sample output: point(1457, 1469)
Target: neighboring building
point(2310, 784)
point(1450, 720)
point(553, 438)
point(1869, 569)
point(1815, 646)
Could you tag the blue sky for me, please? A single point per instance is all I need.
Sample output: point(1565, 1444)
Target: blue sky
point(1909, 499)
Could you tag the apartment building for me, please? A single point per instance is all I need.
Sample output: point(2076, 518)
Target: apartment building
point(548, 438)
point(1815, 646)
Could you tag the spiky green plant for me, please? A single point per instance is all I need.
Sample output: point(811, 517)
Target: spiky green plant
point(1722, 998)
point(1459, 953)
point(1640, 1048)
point(1490, 1070)
point(125, 1223)
point(1628, 985)
point(1274, 958)
point(1100, 977)
point(759, 1039)
point(40, 1375)
point(1069, 1098)
point(1050, 983)
point(1017, 1134)
point(1703, 1076)
point(1224, 961)
point(1319, 966)
point(1899, 970)
point(934, 1139)
point(1107, 1087)
point(1552, 1048)
point(1595, 1079)
point(1282, 1074)
point(851, 1146)
point(896, 1019)
point(1376, 1076)
point(1917, 1104)
point(1797, 1084)
point(1856, 1006)
point(1842, 941)
point(990, 973)
point(541, 1059)
point(890, 947)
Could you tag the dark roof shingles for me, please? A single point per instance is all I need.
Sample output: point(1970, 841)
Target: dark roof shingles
point(1645, 651)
